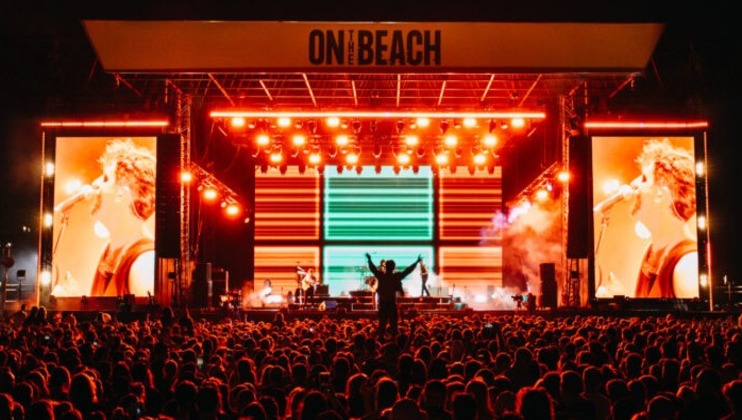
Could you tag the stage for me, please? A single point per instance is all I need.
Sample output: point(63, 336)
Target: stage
point(361, 307)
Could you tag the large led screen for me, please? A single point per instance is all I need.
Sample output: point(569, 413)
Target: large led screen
point(329, 220)
point(378, 206)
point(104, 223)
point(644, 217)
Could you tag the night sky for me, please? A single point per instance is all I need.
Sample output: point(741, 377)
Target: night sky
point(49, 68)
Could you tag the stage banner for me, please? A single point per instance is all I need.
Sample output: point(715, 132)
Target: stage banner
point(185, 46)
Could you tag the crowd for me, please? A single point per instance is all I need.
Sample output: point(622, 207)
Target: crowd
point(481, 366)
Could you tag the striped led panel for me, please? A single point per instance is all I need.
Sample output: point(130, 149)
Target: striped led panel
point(287, 206)
point(468, 203)
point(470, 267)
point(384, 206)
point(278, 263)
point(345, 267)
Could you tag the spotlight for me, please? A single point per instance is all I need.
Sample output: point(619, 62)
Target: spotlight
point(493, 125)
point(444, 126)
point(518, 122)
point(400, 126)
point(332, 121)
point(470, 122)
point(312, 126)
point(342, 140)
point(232, 209)
point(356, 126)
point(403, 159)
point(423, 122)
point(442, 159)
point(450, 140)
point(420, 152)
point(238, 122)
point(377, 151)
point(372, 126)
point(315, 158)
point(262, 140)
point(490, 140)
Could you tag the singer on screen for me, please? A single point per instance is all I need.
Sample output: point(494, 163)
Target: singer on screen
point(104, 228)
point(664, 202)
point(124, 201)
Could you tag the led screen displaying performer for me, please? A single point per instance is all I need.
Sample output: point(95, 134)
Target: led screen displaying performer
point(644, 198)
point(104, 204)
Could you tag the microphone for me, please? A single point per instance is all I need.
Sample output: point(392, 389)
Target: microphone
point(624, 192)
point(85, 193)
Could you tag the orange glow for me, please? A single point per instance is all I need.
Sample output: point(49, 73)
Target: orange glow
point(283, 121)
point(262, 140)
point(238, 122)
point(351, 158)
point(563, 176)
point(423, 122)
point(412, 140)
point(646, 124)
point(333, 121)
point(403, 159)
point(377, 114)
point(210, 194)
point(470, 122)
point(518, 122)
point(186, 176)
point(450, 140)
point(298, 140)
point(490, 140)
point(342, 140)
point(542, 195)
point(97, 124)
point(232, 209)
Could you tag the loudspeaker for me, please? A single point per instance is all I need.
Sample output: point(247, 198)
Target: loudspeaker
point(322, 290)
point(579, 211)
point(548, 285)
point(219, 285)
point(167, 197)
point(201, 285)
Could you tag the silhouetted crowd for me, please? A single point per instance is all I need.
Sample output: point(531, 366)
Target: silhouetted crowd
point(481, 366)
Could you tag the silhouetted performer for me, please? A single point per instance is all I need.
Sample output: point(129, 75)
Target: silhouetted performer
point(424, 279)
point(389, 283)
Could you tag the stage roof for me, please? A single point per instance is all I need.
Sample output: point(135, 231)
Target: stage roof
point(376, 65)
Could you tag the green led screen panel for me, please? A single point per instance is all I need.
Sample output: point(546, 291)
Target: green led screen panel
point(378, 206)
point(345, 267)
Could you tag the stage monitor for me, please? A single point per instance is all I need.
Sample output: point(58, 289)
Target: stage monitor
point(647, 192)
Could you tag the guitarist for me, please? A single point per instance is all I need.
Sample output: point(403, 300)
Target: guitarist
point(307, 283)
